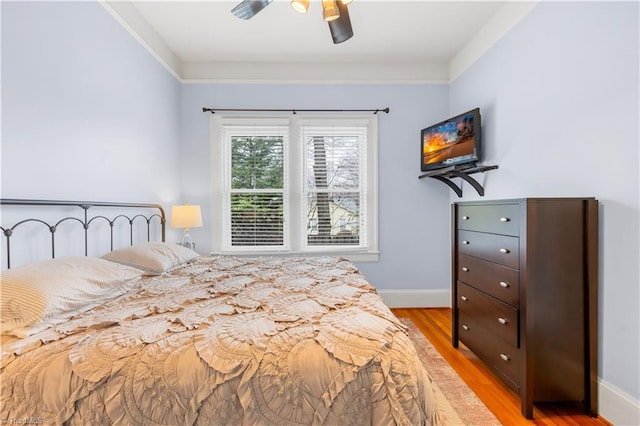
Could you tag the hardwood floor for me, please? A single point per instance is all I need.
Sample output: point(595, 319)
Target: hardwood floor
point(435, 324)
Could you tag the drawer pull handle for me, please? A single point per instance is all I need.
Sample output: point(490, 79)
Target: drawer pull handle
point(502, 321)
point(465, 269)
point(464, 298)
point(503, 284)
point(465, 327)
point(505, 357)
point(505, 219)
point(465, 242)
point(465, 217)
point(505, 251)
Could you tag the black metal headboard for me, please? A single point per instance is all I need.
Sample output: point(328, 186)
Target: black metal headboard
point(155, 212)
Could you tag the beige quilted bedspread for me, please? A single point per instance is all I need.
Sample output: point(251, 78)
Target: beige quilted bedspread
point(225, 341)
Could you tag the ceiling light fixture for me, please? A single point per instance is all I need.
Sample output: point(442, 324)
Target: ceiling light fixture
point(330, 10)
point(300, 6)
point(341, 29)
point(334, 13)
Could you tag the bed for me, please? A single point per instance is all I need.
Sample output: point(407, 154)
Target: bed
point(153, 333)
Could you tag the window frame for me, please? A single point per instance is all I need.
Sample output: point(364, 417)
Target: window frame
point(295, 226)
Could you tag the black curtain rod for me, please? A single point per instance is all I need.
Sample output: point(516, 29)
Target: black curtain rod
point(293, 110)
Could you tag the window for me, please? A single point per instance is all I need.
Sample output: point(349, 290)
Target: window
point(254, 197)
point(295, 185)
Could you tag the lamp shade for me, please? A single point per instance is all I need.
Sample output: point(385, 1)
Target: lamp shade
point(186, 216)
point(330, 10)
point(300, 6)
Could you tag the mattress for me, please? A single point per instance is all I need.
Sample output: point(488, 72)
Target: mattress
point(227, 341)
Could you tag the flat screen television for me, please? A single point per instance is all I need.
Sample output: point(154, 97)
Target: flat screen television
point(451, 142)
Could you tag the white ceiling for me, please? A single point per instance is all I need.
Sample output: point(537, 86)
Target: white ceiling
point(393, 40)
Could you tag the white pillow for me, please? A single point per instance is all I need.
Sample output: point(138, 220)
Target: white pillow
point(38, 295)
point(152, 258)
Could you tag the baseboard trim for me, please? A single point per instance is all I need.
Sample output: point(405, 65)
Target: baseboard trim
point(614, 405)
point(416, 298)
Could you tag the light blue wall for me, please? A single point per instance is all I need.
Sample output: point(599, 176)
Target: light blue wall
point(414, 242)
point(87, 112)
point(559, 97)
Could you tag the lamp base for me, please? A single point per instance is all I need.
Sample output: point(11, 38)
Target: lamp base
point(187, 241)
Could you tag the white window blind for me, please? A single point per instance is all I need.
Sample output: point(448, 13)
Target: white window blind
point(295, 185)
point(334, 185)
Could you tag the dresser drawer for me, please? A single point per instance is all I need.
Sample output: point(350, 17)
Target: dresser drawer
point(494, 248)
point(494, 218)
point(498, 354)
point(492, 314)
point(496, 280)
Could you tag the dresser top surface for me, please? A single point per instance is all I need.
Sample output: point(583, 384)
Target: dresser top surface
point(522, 200)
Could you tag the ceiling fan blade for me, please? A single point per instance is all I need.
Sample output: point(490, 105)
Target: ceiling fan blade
point(248, 8)
point(341, 29)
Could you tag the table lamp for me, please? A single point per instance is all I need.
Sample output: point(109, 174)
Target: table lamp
point(186, 216)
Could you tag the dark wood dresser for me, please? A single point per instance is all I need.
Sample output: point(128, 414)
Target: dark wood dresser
point(525, 294)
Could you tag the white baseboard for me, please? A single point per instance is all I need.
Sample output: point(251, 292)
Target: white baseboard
point(416, 298)
point(614, 405)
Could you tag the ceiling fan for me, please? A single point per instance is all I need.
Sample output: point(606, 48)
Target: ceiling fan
point(334, 12)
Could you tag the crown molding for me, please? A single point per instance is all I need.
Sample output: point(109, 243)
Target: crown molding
point(500, 24)
point(125, 13)
point(280, 72)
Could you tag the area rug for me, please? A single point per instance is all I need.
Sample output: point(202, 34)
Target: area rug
point(457, 404)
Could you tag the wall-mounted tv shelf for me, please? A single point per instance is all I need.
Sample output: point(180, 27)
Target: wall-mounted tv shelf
point(445, 175)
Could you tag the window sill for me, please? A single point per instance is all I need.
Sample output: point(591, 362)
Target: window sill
point(352, 256)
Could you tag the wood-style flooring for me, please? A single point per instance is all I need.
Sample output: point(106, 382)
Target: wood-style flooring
point(435, 324)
